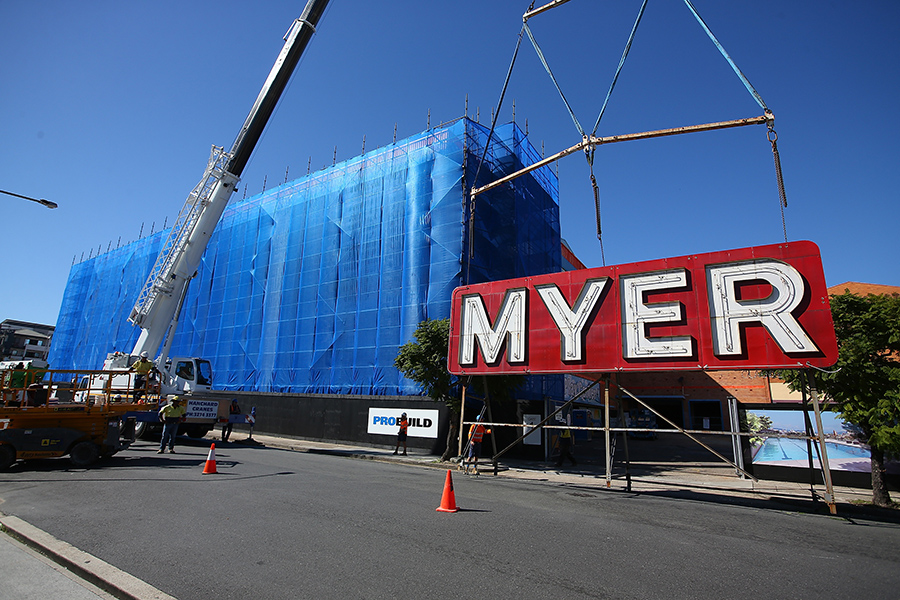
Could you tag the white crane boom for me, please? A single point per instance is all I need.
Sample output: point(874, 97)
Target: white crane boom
point(158, 305)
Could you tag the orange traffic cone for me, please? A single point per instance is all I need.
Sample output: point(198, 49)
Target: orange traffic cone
point(448, 500)
point(210, 461)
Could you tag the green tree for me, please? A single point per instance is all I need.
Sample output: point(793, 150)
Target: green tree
point(757, 423)
point(865, 382)
point(424, 361)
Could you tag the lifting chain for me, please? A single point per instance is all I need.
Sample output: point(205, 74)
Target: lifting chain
point(589, 154)
point(773, 139)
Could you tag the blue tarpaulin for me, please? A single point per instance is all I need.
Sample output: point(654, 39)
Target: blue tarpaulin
point(312, 287)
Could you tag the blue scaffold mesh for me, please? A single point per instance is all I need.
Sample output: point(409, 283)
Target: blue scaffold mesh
point(313, 286)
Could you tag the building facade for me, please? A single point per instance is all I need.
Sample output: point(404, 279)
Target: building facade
point(312, 287)
point(23, 340)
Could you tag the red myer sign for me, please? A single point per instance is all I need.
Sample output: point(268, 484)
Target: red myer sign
point(752, 308)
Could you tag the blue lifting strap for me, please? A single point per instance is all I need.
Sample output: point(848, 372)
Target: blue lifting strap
point(734, 67)
point(612, 85)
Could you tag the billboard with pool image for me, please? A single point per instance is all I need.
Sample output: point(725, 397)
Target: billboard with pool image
point(842, 444)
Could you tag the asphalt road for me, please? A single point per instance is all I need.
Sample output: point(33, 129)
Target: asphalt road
point(279, 524)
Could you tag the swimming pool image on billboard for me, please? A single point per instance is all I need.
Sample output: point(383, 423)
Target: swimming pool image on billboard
point(792, 452)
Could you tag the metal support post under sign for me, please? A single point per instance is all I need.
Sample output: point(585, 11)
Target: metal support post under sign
point(826, 468)
point(487, 402)
point(462, 418)
point(736, 439)
point(625, 440)
point(606, 434)
point(808, 429)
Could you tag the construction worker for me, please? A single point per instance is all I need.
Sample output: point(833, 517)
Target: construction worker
point(17, 383)
point(476, 435)
point(403, 422)
point(565, 448)
point(142, 367)
point(234, 409)
point(172, 414)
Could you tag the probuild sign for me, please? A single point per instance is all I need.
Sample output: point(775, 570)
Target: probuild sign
point(761, 307)
point(386, 421)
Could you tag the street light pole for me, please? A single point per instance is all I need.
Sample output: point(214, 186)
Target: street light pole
point(46, 203)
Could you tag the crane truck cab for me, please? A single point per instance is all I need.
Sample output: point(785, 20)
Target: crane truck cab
point(189, 375)
point(179, 375)
point(185, 376)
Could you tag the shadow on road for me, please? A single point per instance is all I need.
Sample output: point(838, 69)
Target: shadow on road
point(770, 501)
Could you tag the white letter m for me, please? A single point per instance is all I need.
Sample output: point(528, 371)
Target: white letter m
point(474, 324)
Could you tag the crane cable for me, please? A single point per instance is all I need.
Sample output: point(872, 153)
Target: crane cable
point(590, 155)
point(596, 190)
point(544, 62)
point(589, 151)
point(773, 139)
point(770, 134)
point(485, 151)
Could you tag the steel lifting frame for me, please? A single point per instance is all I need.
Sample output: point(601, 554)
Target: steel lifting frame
point(591, 141)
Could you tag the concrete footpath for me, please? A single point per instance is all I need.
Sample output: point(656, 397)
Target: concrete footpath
point(37, 565)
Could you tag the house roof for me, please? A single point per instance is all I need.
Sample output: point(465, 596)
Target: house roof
point(864, 289)
point(31, 333)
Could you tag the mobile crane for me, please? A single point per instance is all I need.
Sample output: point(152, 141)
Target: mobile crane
point(160, 300)
point(89, 427)
point(159, 303)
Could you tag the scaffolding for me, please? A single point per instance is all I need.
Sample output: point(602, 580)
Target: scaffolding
point(814, 439)
point(312, 286)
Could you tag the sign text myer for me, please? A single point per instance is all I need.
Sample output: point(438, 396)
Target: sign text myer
point(761, 307)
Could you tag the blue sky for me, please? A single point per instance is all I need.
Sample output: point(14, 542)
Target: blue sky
point(792, 420)
point(110, 108)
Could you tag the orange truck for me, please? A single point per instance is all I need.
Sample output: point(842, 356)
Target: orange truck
point(42, 418)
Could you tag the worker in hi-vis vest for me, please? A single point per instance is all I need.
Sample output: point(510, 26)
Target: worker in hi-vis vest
point(476, 435)
point(403, 423)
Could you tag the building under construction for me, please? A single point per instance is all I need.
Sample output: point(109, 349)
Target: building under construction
point(311, 287)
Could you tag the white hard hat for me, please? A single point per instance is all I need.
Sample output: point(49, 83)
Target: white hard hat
point(144, 354)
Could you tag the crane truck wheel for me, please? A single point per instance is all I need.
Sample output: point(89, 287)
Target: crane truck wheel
point(197, 431)
point(84, 454)
point(144, 430)
point(7, 456)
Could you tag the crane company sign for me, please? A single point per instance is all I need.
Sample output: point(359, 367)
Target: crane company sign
point(760, 307)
